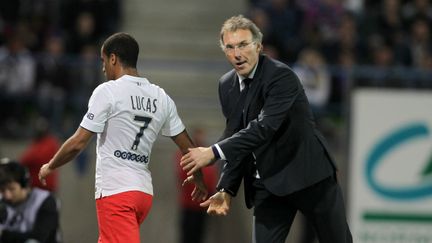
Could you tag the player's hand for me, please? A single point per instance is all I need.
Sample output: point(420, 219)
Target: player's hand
point(44, 172)
point(218, 204)
point(196, 159)
point(200, 191)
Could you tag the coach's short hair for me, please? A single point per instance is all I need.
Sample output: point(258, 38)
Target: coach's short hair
point(123, 46)
point(240, 22)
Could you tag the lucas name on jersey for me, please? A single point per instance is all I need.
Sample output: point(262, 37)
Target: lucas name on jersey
point(143, 103)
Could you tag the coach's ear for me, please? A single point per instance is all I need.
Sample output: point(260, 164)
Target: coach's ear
point(260, 47)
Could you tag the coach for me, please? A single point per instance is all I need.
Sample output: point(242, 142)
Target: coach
point(270, 141)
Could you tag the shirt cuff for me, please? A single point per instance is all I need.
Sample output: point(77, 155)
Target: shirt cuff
point(219, 150)
point(231, 193)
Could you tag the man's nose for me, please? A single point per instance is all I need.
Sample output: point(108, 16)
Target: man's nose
point(236, 51)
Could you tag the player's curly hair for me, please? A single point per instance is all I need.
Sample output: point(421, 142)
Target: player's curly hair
point(123, 46)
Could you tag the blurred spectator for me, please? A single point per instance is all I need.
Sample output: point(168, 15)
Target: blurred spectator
point(31, 214)
point(285, 24)
point(17, 76)
point(260, 17)
point(420, 41)
point(417, 8)
point(383, 56)
point(342, 75)
point(40, 151)
point(426, 63)
point(53, 80)
point(37, 17)
point(193, 218)
point(347, 41)
point(379, 73)
point(317, 82)
point(17, 67)
point(388, 29)
point(83, 33)
point(322, 19)
point(89, 21)
point(8, 18)
point(41, 17)
point(281, 24)
point(262, 20)
point(315, 78)
point(389, 22)
point(395, 34)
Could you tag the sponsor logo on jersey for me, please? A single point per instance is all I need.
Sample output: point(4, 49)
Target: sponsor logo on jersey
point(131, 156)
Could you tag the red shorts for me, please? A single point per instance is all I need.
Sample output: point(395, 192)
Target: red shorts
point(120, 215)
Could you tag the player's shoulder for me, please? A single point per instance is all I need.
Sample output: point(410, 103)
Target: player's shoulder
point(104, 87)
point(156, 88)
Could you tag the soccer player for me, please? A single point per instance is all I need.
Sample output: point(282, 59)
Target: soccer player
point(126, 113)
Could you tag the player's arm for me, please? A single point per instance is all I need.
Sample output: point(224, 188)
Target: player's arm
point(184, 142)
point(67, 152)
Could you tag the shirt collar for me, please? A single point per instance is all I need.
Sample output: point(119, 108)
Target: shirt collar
point(251, 75)
point(134, 78)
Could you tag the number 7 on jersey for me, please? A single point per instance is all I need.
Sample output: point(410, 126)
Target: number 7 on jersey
point(146, 121)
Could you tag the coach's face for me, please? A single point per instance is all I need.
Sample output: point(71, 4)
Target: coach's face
point(241, 51)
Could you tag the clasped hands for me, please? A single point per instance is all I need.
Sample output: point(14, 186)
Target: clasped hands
point(193, 161)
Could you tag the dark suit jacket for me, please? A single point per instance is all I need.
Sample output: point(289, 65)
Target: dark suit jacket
point(279, 131)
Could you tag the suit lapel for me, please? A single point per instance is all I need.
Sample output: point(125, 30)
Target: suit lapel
point(234, 88)
point(234, 112)
point(253, 88)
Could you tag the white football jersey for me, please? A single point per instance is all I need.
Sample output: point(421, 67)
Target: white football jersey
point(127, 115)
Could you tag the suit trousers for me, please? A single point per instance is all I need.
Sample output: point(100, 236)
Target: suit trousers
point(322, 204)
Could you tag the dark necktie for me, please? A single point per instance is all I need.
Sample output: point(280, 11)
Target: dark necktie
point(242, 98)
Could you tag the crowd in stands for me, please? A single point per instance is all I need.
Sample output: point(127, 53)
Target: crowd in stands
point(49, 50)
point(333, 47)
point(382, 33)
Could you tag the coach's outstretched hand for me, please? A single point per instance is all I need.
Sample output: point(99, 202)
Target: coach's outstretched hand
point(218, 204)
point(197, 158)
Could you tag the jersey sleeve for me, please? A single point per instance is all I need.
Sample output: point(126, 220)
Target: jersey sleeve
point(99, 108)
point(173, 124)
